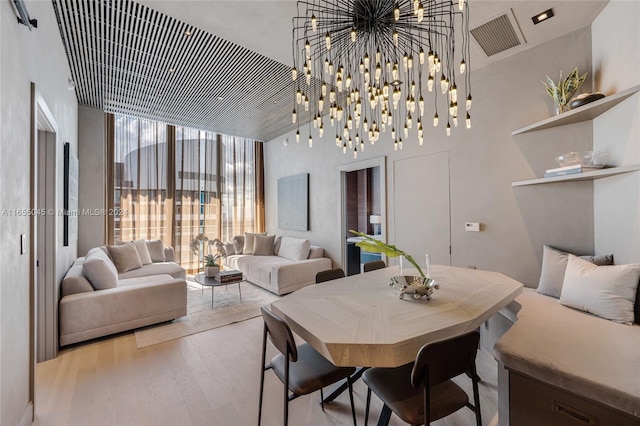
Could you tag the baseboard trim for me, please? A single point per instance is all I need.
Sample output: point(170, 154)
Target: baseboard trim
point(27, 416)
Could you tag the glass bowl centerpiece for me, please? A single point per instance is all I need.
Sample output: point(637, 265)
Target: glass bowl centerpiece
point(417, 286)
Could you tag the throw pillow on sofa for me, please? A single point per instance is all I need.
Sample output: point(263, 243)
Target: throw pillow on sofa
point(606, 291)
point(263, 245)
point(248, 242)
point(143, 251)
point(125, 257)
point(156, 250)
point(100, 270)
point(229, 249)
point(294, 248)
point(554, 264)
point(238, 243)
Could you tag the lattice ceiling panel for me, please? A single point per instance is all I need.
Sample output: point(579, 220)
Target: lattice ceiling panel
point(127, 58)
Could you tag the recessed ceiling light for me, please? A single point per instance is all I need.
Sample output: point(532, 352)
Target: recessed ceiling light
point(187, 33)
point(542, 16)
point(219, 98)
point(171, 70)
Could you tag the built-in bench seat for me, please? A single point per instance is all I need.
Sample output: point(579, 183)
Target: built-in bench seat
point(560, 366)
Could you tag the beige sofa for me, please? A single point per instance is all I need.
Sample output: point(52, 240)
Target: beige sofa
point(291, 263)
point(146, 295)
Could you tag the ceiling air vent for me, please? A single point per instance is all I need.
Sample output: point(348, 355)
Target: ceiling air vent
point(498, 34)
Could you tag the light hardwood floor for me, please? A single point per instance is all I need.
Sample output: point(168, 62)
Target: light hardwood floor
point(209, 378)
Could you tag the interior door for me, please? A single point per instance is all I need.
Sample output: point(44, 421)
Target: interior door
point(422, 207)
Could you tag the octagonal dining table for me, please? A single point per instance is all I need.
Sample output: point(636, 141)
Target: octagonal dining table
point(360, 321)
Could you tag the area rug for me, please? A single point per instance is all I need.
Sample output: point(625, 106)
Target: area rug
point(226, 310)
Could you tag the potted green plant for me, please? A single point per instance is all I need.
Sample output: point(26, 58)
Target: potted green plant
point(562, 92)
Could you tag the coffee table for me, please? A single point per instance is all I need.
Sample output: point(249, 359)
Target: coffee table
point(205, 281)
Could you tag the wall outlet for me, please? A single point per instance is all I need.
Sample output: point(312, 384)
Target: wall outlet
point(472, 227)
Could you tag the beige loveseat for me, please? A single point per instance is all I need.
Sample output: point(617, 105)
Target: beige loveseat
point(152, 293)
point(280, 265)
point(560, 365)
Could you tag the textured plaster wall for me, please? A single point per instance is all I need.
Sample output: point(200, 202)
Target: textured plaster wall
point(26, 56)
point(484, 161)
point(616, 67)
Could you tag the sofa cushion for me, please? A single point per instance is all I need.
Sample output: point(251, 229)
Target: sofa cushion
point(125, 257)
point(100, 270)
point(606, 291)
point(238, 243)
point(229, 249)
point(74, 280)
point(276, 245)
point(554, 263)
point(156, 250)
point(294, 248)
point(157, 268)
point(316, 252)
point(263, 245)
point(153, 279)
point(143, 251)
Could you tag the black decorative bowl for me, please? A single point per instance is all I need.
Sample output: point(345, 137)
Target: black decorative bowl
point(584, 99)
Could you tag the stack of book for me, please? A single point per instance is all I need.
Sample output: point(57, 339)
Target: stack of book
point(570, 170)
point(229, 276)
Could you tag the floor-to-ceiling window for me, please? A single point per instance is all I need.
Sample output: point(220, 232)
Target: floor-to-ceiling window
point(184, 186)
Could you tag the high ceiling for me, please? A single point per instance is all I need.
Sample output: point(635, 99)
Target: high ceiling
point(231, 75)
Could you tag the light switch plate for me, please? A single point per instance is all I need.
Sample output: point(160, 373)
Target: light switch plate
point(472, 227)
point(23, 243)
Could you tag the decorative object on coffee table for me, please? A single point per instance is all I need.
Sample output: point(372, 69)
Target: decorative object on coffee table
point(565, 89)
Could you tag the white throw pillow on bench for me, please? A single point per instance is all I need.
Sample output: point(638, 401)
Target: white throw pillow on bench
point(606, 291)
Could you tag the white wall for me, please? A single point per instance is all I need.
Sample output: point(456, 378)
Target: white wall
point(616, 67)
point(37, 56)
point(92, 177)
point(484, 160)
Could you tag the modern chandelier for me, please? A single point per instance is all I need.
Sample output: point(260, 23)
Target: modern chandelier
point(376, 61)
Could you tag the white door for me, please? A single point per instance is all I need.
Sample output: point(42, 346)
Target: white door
point(421, 207)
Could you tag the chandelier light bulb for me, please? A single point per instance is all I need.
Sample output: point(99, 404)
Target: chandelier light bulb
point(431, 58)
point(365, 125)
point(297, 136)
point(435, 120)
point(324, 89)
point(452, 111)
point(307, 48)
point(468, 102)
point(463, 67)
point(294, 117)
point(327, 39)
point(420, 13)
point(460, 5)
point(421, 106)
point(395, 73)
point(448, 129)
point(362, 146)
point(395, 145)
point(366, 61)
point(421, 140)
point(396, 13)
point(393, 133)
point(339, 83)
point(410, 62)
point(454, 93)
point(332, 96)
point(405, 61)
point(378, 57)
point(444, 84)
point(306, 104)
point(409, 122)
point(330, 68)
point(455, 121)
point(353, 35)
point(400, 143)
point(344, 148)
point(337, 140)
point(421, 56)
point(298, 96)
point(378, 73)
point(406, 131)
point(310, 142)
point(320, 131)
point(308, 79)
point(355, 153)
point(294, 74)
point(395, 38)
point(314, 23)
point(321, 104)
point(416, 4)
point(468, 121)
point(350, 143)
point(430, 83)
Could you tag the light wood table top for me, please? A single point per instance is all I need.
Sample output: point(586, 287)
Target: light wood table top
point(359, 320)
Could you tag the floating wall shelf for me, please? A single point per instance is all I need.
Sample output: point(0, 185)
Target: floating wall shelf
point(584, 113)
point(596, 174)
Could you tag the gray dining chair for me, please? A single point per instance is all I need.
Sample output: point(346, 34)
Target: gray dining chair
point(422, 391)
point(301, 369)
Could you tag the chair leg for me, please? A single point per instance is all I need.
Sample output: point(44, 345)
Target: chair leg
point(366, 410)
point(321, 399)
point(262, 369)
point(353, 407)
point(286, 389)
point(385, 416)
point(476, 396)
